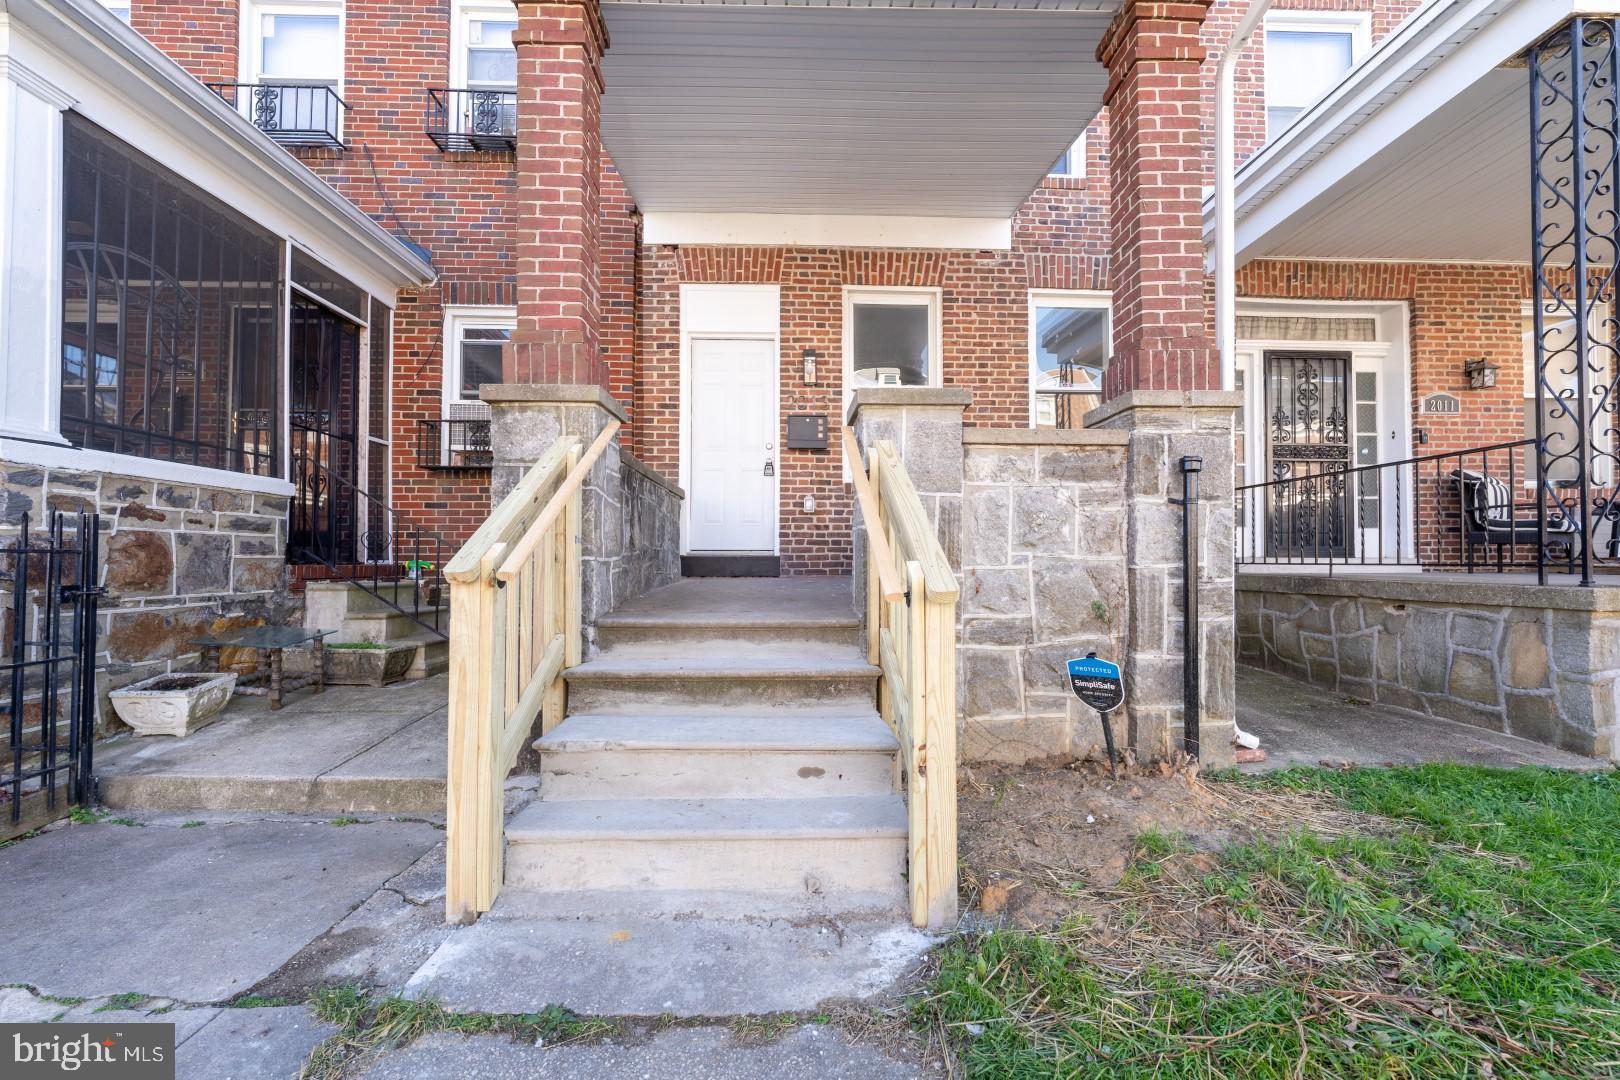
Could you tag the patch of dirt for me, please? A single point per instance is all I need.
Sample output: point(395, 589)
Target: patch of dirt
point(1041, 844)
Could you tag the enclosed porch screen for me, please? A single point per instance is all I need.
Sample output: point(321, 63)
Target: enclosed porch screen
point(172, 308)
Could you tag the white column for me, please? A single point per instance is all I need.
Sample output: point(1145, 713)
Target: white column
point(30, 253)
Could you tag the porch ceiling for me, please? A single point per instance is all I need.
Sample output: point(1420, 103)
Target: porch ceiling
point(1421, 154)
point(929, 109)
point(1456, 187)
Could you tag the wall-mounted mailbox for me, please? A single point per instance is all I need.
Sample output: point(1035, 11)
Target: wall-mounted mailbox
point(807, 433)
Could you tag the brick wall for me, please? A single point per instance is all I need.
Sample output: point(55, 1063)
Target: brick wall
point(461, 207)
point(200, 35)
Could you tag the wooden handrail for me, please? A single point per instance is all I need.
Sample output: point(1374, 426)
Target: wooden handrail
point(911, 636)
point(888, 575)
point(553, 509)
point(911, 522)
point(464, 566)
point(515, 627)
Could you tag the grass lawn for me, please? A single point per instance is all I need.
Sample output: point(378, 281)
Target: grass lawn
point(1465, 923)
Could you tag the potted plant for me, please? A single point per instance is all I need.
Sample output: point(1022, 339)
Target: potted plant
point(367, 663)
point(174, 704)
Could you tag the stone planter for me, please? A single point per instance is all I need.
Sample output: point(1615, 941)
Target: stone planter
point(174, 704)
point(367, 667)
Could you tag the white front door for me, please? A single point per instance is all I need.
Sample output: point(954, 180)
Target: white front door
point(732, 497)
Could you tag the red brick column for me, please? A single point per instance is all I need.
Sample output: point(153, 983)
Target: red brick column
point(1156, 153)
point(559, 45)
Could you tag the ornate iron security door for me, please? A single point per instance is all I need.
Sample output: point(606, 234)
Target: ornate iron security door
point(1308, 437)
point(325, 435)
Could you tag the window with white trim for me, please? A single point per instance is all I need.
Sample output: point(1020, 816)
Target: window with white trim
point(1307, 55)
point(1558, 410)
point(1069, 346)
point(474, 338)
point(891, 337)
point(1073, 160)
point(297, 46)
point(119, 8)
point(484, 56)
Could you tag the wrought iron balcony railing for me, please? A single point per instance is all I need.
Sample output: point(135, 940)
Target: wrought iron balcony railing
point(453, 444)
point(293, 114)
point(472, 121)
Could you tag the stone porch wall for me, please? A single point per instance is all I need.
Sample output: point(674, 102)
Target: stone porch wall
point(1043, 580)
point(1065, 542)
point(1539, 662)
point(178, 561)
point(630, 522)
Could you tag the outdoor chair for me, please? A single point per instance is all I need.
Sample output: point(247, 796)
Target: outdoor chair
point(1490, 518)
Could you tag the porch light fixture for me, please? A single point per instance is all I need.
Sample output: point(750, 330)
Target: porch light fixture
point(810, 368)
point(1481, 373)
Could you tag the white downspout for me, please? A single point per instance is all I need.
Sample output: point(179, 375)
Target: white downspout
point(1225, 201)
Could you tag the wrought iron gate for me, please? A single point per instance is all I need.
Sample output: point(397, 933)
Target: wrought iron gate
point(1308, 435)
point(325, 436)
point(49, 582)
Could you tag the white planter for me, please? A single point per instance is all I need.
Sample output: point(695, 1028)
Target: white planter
point(175, 704)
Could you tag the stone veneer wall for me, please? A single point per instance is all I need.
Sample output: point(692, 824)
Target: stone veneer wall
point(1066, 542)
point(1043, 580)
point(1542, 663)
point(630, 521)
point(178, 560)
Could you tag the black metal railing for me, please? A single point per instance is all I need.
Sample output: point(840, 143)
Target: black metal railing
point(1471, 509)
point(50, 584)
point(472, 121)
point(369, 544)
point(293, 114)
point(454, 444)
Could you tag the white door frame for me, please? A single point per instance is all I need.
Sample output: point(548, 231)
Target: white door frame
point(1388, 356)
point(738, 312)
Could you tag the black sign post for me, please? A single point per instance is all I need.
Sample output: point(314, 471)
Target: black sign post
point(1098, 683)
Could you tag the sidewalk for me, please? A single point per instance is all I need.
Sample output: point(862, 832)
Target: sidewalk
point(228, 924)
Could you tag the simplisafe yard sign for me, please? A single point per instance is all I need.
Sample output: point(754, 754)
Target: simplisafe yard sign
point(1098, 683)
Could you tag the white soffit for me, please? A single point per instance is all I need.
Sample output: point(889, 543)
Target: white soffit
point(906, 109)
point(1422, 154)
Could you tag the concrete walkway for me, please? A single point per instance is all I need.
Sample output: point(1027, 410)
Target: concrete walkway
point(1301, 724)
point(350, 749)
point(156, 918)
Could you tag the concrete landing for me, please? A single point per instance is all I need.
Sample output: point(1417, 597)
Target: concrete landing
point(1301, 724)
point(514, 960)
point(351, 749)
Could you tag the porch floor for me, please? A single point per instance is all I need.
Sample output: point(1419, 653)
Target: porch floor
point(1300, 724)
point(348, 749)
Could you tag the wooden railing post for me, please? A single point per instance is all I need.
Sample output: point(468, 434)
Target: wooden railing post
point(515, 628)
point(470, 610)
point(939, 759)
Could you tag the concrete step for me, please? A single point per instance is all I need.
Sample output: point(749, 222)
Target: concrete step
point(787, 847)
point(349, 597)
point(387, 625)
point(716, 756)
point(642, 683)
point(432, 653)
point(699, 632)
